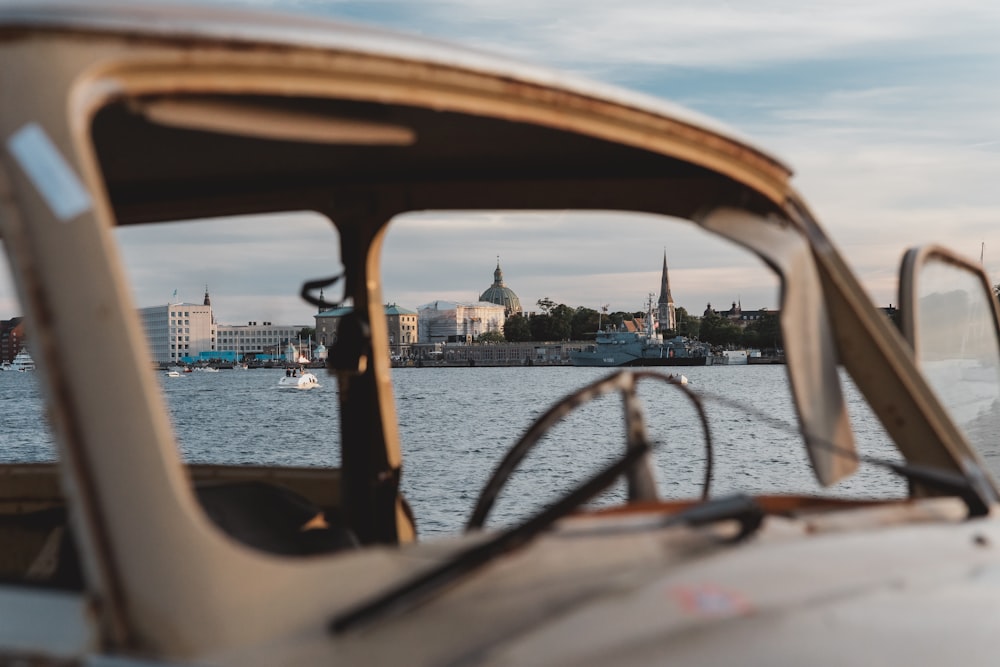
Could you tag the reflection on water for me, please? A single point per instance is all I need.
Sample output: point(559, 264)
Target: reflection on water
point(457, 423)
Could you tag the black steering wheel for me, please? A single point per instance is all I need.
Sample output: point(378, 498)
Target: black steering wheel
point(639, 475)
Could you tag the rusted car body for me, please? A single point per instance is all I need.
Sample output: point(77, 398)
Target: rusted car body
point(135, 115)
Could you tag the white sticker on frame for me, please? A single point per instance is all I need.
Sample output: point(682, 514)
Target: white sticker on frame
point(49, 172)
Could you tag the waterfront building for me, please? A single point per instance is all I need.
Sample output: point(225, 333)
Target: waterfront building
point(402, 324)
point(500, 294)
point(735, 313)
point(187, 332)
point(402, 329)
point(666, 314)
point(506, 354)
point(179, 332)
point(748, 317)
point(263, 340)
point(450, 322)
point(327, 322)
point(740, 317)
point(12, 338)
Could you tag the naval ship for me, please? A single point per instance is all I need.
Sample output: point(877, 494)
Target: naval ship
point(617, 347)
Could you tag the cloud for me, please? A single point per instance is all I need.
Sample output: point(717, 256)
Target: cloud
point(577, 258)
point(885, 110)
point(691, 34)
point(887, 167)
point(253, 266)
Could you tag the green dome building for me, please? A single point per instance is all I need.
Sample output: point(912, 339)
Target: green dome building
point(501, 295)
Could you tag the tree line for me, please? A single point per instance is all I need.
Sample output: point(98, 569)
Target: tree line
point(559, 322)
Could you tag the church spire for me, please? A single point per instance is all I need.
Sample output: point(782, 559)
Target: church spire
point(666, 313)
point(208, 302)
point(665, 296)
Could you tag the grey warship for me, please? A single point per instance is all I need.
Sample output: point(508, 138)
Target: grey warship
point(639, 348)
point(617, 347)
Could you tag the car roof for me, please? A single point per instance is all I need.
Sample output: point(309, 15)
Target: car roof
point(254, 26)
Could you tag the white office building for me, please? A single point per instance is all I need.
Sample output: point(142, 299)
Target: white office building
point(448, 321)
point(178, 332)
point(255, 339)
point(186, 332)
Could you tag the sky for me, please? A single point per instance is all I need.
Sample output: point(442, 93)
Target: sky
point(888, 113)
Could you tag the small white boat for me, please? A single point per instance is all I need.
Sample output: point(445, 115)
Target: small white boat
point(298, 378)
point(172, 374)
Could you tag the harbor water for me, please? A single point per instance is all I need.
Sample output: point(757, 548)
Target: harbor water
point(457, 423)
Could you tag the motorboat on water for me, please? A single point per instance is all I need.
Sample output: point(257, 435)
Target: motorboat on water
point(120, 552)
point(22, 362)
point(298, 378)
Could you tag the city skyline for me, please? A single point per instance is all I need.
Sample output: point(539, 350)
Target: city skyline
point(160, 260)
point(880, 110)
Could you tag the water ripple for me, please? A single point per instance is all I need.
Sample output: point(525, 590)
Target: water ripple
point(457, 423)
